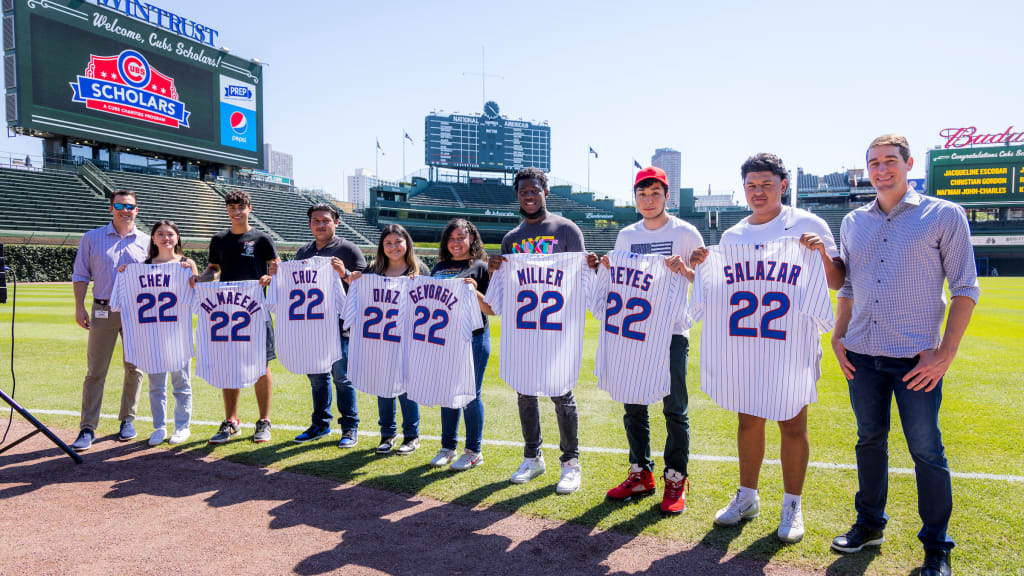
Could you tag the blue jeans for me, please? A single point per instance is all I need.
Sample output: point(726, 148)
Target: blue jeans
point(410, 417)
point(876, 380)
point(675, 406)
point(474, 411)
point(347, 406)
point(182, 387)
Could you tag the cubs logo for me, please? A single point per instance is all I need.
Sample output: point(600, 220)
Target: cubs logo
point(126, 85)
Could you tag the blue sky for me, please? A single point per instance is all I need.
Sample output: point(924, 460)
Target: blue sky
point(813, 82)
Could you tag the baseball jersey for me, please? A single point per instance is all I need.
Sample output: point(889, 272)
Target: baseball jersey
point(764, 307)
point(543, 298)
point(375, 311)
point(639, 302)
point(231, 335)
point(155, 301)
point(306, 298)
point(439, 341)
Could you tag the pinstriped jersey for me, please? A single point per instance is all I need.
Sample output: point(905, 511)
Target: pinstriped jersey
point(231, 335)
point(155, 301)
point(307, 299)
point(639, 302)
point(543, 301)
point(374, 312)
point(764, 307)
point(439, 341)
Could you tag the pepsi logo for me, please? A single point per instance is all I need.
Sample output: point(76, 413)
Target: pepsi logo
point(238, 122)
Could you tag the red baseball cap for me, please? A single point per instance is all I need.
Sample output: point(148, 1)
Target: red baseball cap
point(651, 172)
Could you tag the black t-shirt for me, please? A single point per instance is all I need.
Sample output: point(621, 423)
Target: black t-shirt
point(475, 269)
point(242, 256)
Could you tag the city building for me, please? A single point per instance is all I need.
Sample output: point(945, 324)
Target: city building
point(275, 162)
point(671, 161)
point(359, 184)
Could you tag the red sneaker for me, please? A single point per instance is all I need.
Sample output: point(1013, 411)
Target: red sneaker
point(639, 483)
point(674, 500)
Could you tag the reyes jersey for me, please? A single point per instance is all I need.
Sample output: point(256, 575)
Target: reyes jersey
point(764, 307)
point(374, 313)
point(155, 301)
point(639, 301)
point(307, 299)
point(542, 299)
point(231, 334)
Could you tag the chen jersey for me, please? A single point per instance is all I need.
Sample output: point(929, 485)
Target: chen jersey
point(639, 301)
point(155, 301)
point(764, 307)
point(374, 312)
point(307, 300)
point(231, 334)
point(543, 299)
point(439, 341)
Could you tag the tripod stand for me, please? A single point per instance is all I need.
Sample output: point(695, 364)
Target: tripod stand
point(40, 427)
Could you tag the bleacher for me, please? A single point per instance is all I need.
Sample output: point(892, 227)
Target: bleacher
point(599, 240)
point(487, 195)
point(49, 201)
point(191, 204)
point(436, 195)
point(368, 233)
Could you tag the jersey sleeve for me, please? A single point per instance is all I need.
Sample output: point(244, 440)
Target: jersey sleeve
point(339, 294)
point(598, 302)
point(588, 279)
point(349, 310)
point(814, 300)
point(677, 292)
point(695, 308)
point(272, 292)
point(118, 292)
point(496, 290)
point(820, 227)
point(471, 317)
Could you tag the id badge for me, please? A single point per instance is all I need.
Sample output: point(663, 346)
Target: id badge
point(102, 314)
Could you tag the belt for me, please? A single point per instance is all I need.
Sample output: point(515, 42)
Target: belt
point(101, 301)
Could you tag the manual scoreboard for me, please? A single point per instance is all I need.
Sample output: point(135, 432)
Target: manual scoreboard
point(487, 142)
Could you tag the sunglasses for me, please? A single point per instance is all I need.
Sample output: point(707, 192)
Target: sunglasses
point(120, 206)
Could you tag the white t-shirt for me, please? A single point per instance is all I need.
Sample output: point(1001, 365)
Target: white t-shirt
point(791, 222)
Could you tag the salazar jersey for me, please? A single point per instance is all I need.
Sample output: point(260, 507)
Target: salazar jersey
point(231, 334)
point(307, 299)
point(155, 301)
point(543, 299)
point(639, 302)
point(764, 307)
point(374, 313)
point(439, 341)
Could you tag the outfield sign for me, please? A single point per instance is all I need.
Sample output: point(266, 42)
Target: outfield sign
point(997, 240)
point(163, 18)
point(993, 174)
point(969, 136)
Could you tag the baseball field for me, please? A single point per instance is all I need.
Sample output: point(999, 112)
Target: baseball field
point(981, 422)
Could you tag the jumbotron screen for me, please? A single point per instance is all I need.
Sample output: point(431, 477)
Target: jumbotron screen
point(991, 174)
point(487, 142)
point(86, 71)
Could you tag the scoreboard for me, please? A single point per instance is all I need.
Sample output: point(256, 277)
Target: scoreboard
point(977, 175)
point(487, 142)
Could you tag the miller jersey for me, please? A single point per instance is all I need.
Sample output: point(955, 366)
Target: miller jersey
point(764, 307)
point(231, 334)
point(374, 313)
point(543, 299)
point(438, 337)
point(155, 301)
point(307, 300)
point(638, 301)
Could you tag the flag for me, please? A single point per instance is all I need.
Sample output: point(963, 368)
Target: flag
point(593, 152)
point(409, 138)
point(637, 164)
point(379, 148)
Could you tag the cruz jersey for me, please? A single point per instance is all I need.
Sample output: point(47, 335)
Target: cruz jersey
point(764, 307)
point(231, 334)
point(439, 341)
point(639, 302)
point(155, 301)
point(374, 313)
point(307, 299)
point(543, 301)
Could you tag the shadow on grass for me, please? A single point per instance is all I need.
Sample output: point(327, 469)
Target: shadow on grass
point(854, 564)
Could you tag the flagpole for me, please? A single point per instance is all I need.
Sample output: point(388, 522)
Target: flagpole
point(376, 160)
point(403, 154)
point(588, 169)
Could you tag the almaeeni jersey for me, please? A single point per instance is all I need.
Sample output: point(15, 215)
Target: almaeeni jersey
point(764, 307)
point(231, 334)
point(155, 301)
point(374, 309)
point(307, 299)
point(638, 301)
point(438, 340)
point(542, 299)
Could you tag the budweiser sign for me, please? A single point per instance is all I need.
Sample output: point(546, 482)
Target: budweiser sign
point(964, 137)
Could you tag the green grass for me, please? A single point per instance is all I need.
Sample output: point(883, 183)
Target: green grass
point(981, 421)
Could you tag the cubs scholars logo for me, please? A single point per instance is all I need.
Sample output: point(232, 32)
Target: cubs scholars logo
point(126, 85)
point(238, 123)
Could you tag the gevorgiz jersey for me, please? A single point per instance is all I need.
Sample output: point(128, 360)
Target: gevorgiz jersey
point(155, 302)
point(374, 313)
point(307, 299)
point(231, 335)
point(542, 299)
point(638, 301)
point(764, 307)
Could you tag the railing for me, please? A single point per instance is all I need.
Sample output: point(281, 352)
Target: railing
point(97, 179)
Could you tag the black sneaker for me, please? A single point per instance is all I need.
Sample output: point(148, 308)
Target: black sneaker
point(936, 563)
point(857, 538)
point(409, 445)
point(386, 445)
point(228, 428)
point(349, 438)
point(262, 431)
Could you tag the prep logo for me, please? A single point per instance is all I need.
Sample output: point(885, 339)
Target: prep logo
point(126, 85)
point(236, 92)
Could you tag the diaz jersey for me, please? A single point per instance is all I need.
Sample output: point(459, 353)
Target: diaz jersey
point(543, 301)
point(439, 341)
point(155, 301)
point(639, 301)
point(374, 313)
point(307, 300)
point(231, 334)
point(764, 307)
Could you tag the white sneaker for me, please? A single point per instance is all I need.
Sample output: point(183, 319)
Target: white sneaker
point(158, 436)
point(469, 459)
point(528, 470)
point(180, 435)
point(791, 528)
point(740, 508)
point(572, 474)
point(443, 458)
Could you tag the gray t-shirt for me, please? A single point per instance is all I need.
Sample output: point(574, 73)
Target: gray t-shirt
point(551, 235)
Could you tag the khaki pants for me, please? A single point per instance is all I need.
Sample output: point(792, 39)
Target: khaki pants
point(102, 337)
